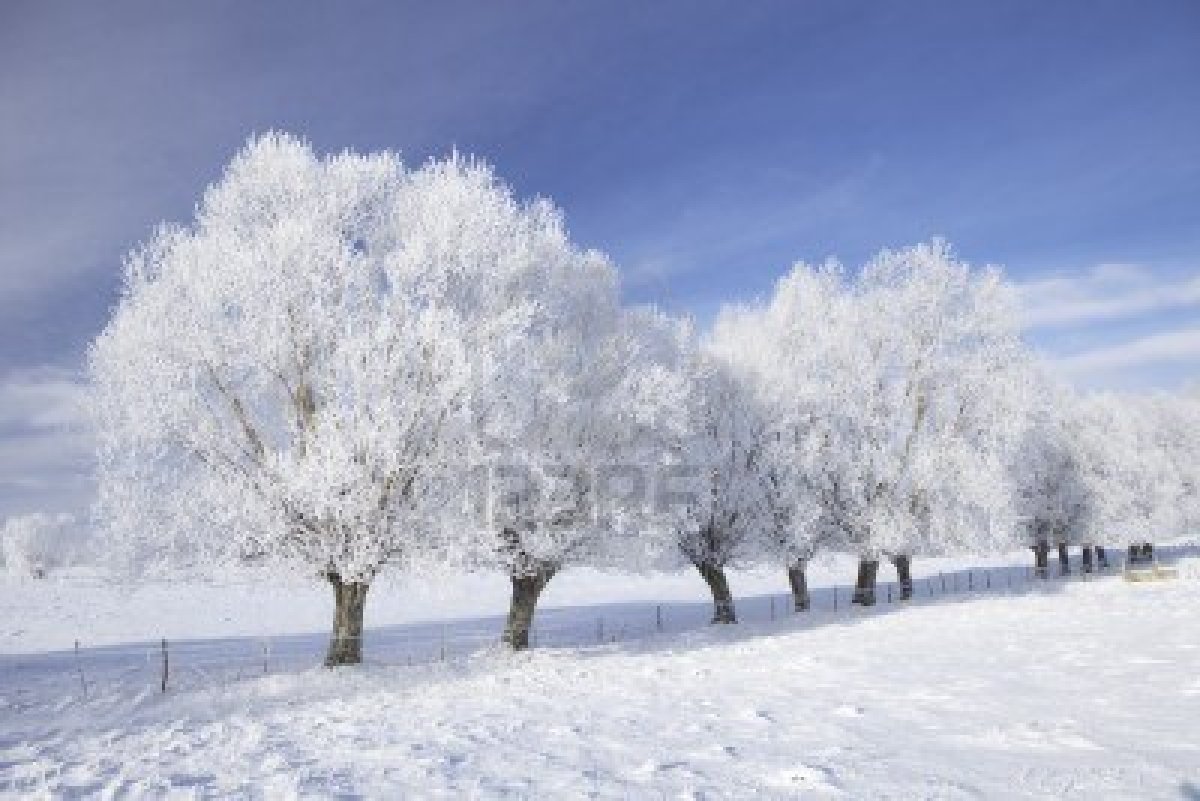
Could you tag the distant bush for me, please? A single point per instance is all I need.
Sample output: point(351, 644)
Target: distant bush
point(39, 543)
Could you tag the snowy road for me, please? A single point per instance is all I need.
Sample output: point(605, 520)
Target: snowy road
point(1087, 690)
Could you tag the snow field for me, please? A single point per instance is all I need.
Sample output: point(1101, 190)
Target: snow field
point(1085, 690)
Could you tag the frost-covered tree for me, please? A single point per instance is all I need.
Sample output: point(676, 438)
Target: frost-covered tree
point(559, 377)
point(734, 509)
point(945, 405)
point(1137, 456)
point(770, 351)
point(900, 393)
point(1177, 425)
point(34, 545)
point(1053, 501)
point(286, 379)
point(1119, 468)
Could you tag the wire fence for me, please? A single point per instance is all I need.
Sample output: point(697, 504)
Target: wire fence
point(157, 666)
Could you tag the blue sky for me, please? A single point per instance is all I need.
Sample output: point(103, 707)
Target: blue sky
point(705, 146)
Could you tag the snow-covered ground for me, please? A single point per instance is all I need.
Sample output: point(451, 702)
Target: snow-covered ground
point(50, 615)
point(1084, 689)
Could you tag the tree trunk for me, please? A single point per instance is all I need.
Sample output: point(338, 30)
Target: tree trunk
point(349, 599)
point(1064, 559)
point(1101, 556)
point(799, 582)
point(864, 588)
point(1087, 559)
point(1147, 552)
point(526, 589)
point(903, 565)
point(1041, 559)
point(714, 577)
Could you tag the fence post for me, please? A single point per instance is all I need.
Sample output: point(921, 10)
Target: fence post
point(772, 607)
point(658, 623)
point(600, 630)
point(165, 665)
point(835, 598)
point(533, 629)
point(79, 667)
point(942, 576)
point(889, 600)
point(970, 580)
point(266, 654)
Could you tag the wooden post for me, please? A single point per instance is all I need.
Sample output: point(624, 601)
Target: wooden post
point(79, 667)
point(658, 623)
point(165, 665)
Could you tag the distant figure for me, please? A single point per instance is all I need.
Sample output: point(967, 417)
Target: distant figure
point(1140, 554)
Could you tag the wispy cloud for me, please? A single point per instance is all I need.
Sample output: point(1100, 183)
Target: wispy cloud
point(1127, 326)
point(1117, 365)
point(45, 447)
point(41, 399)
point(1106, 292)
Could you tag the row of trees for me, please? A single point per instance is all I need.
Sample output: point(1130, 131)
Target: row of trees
point(345, 365)
point(1109, 470)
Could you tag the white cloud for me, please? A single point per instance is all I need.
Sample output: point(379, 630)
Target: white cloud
point(1169, 347)
point(41, 398)
point(1077, 318)
point(1106, 292)
point(45, 446)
